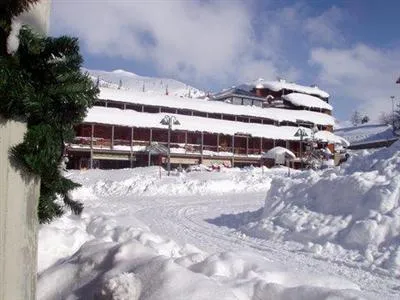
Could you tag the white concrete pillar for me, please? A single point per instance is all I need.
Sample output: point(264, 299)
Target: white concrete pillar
point(19, 195)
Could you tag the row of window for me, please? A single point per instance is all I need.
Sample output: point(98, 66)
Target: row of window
point(244, 101)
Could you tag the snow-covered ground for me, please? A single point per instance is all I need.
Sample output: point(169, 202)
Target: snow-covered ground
point(233, 234)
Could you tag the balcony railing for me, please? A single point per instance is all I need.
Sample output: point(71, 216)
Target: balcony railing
point(103, 143)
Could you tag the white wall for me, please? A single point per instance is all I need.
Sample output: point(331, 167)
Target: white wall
point(19, 195)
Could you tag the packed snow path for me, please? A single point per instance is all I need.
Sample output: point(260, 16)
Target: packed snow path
point(190, 220)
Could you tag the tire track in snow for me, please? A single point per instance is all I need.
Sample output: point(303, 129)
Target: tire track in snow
point(184, 220)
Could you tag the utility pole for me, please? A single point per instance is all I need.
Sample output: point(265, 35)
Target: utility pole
point(392, 97)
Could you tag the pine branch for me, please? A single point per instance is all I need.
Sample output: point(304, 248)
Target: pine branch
point(43, 85)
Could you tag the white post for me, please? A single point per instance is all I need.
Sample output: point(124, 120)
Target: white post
point(91, 147)
point(19, 194)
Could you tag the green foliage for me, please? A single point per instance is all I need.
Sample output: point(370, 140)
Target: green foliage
point(42, 84)
point(12, 8)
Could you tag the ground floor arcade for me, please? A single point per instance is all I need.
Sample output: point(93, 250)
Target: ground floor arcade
point(111, 146)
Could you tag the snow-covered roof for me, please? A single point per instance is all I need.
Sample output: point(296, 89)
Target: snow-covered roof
point(156, 99)
point(298, 99)
point(115, 116)
point(328, 136)
point(280, 85)
point(366, 133)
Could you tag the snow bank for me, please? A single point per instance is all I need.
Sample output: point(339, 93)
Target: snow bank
point(146, 182)
point(118, 262)
point(352, 212)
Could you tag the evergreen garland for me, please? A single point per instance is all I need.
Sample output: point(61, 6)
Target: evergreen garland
point(43, 85)
point(8, 10)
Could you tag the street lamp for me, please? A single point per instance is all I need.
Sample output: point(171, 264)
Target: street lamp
point(169, 120)
point(301, 132)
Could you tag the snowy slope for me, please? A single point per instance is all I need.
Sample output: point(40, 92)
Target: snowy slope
point(152, 85)
point(366, 133)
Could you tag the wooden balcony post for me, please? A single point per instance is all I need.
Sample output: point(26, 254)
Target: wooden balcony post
point(186, 139)
point(247, 145)
point(112, 137)
point(131, 150)
point(201, 147)
point(151, 136)
point(91, 147)
point(233, 151)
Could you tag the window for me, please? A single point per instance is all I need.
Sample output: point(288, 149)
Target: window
point(257, 103)
point(247, 101)
point(237, 101)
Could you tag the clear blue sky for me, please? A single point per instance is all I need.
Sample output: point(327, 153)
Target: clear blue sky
point(349, 48)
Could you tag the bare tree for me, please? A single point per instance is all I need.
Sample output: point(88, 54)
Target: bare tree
point(356, 118)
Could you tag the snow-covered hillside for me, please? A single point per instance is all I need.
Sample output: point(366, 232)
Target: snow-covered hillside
point(150, 85)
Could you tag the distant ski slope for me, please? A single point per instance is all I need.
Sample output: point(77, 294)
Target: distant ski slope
point(153, 85)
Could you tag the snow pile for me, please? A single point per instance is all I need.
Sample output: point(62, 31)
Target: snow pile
point(146, 182)
point(350, 213)
point(117, 262)
point(145, 85)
